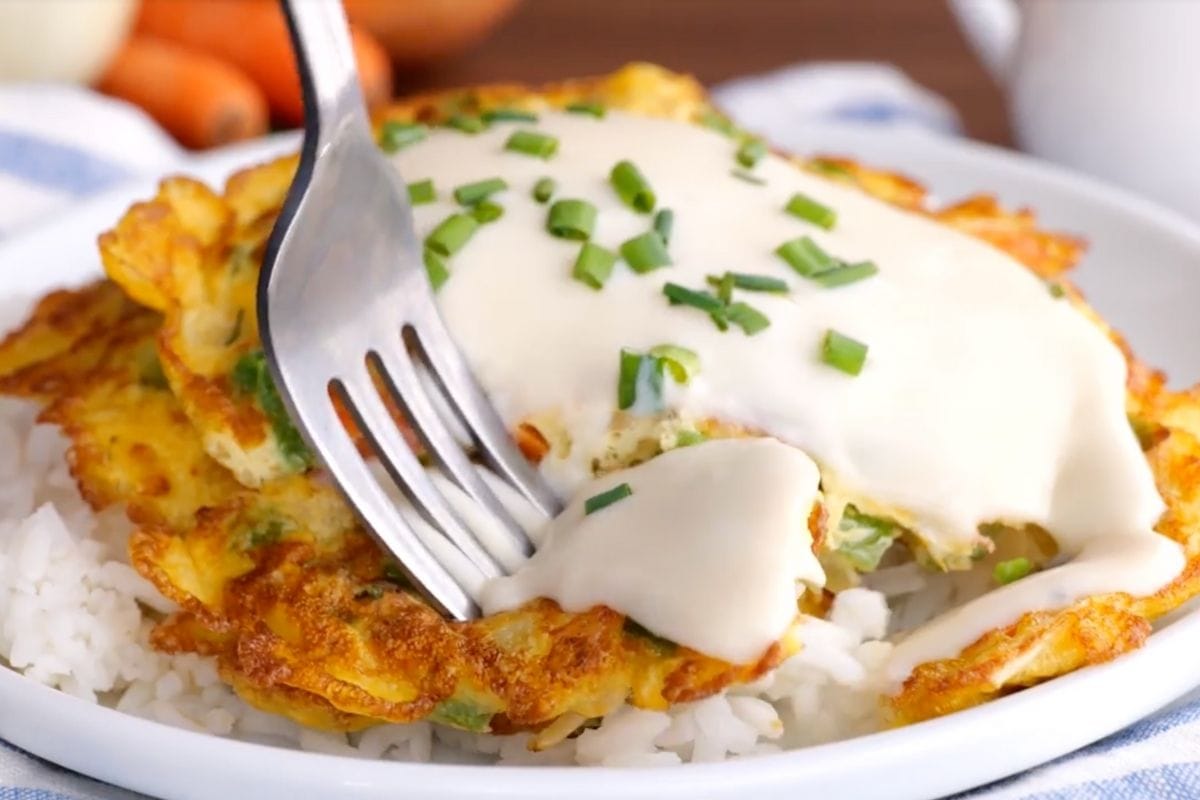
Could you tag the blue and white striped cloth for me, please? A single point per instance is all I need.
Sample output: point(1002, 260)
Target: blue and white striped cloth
point(59, 145)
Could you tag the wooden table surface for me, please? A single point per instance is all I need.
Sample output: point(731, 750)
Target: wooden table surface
point(719, 39)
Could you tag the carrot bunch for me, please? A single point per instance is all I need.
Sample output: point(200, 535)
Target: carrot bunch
point(216, 71)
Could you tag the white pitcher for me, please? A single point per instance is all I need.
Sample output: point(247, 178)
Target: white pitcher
point(1111, 87)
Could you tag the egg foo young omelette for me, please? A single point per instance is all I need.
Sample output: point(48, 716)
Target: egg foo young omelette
point(757, 380)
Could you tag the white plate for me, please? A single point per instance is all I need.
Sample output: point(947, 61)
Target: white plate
point(1143, 273)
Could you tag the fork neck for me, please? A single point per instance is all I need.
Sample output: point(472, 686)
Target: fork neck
point(333, 101)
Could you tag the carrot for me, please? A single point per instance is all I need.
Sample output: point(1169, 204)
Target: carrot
point(252, 34)
point(199, 99)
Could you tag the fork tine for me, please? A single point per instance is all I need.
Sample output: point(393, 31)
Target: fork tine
point(400, 377)
point(450, 370)
point(397, 457)
point(384, 519)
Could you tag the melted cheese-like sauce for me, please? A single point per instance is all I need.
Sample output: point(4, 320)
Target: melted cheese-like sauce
point(983, 398)
point(727, 525)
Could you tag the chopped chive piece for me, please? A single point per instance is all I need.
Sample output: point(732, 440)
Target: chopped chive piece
point(689, 438)
point(435, 267)
point(806, 257)
point(532, 143)
point(719, 319)
point(750, 283)
point(394, 136)
point(1056, 289)
point(543, 190)
point(683, 296)
point(810, 210)
point(718, 122)
point(451, 234)
point(646, 252)
point(593, 109)
point(508, 115)
point(664, 224)
point(850, 273)
point(747, 317)
point(632, 187)
point(639, 382)
point(682, 363)
point(467, 123)
point(742, 175)
point(421, 192)
point(594, 265)
point(471, 193)
point(751, 152)
point(1012, 570)
point(724, 286)
point(487, 211)
point(841, 352)
point(571, 219)
point(605, 499)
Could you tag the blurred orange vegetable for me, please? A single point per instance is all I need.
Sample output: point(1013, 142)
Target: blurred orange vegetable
point(419, 31)
point(201, 100)
point(252, 35)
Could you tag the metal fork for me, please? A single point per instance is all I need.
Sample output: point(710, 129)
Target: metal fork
point(345, 306)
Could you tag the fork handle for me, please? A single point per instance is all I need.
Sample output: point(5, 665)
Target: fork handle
point(333, 100)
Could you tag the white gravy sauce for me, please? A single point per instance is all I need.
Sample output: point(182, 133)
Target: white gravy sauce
point(726, 522)
point(982, 398)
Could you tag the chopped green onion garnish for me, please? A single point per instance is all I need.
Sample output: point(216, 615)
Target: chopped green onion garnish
point(841, 352)
point(594, 109)
point(532, 143)
point(718, 318)
point(724, 286)
point(452, 234)
point(605, 499)
point(806, 257)
point(594, 265)
point(466, 123)
point(508, 115)
point(395, 136)
point(646, 252)
point(810, 210)
point(421, 192)
point(571, 219)
point(1056, 289)
point(436, 269)
point(543, 190)
point(664, 223)
point(850, 273)
point(830, 169)
point(471, 193)
point(742, 175)
point(1012, 570)
point(750, 283)
point(747, 317)
point(683, 296)
point(632, 187)
point(718, 122)
point(639, 382)
point(689, 438)
point(751, 152)
point(487, 211)
point(682, 363)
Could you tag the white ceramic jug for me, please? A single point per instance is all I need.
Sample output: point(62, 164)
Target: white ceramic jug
point(1111, 87)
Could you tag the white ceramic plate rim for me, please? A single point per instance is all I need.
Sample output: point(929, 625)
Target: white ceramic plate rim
point(924, 760)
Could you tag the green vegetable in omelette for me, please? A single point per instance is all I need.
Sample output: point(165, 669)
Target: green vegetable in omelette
point(251, 377)
point(864, 538)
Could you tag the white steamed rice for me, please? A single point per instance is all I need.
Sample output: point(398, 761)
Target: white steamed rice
point(74, 615)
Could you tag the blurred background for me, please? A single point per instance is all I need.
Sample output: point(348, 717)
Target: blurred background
point(1107, 87)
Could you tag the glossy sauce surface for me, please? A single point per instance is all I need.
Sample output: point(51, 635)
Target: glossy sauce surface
point(982, 399)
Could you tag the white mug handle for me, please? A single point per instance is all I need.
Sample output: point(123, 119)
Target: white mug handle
point(991, 26)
